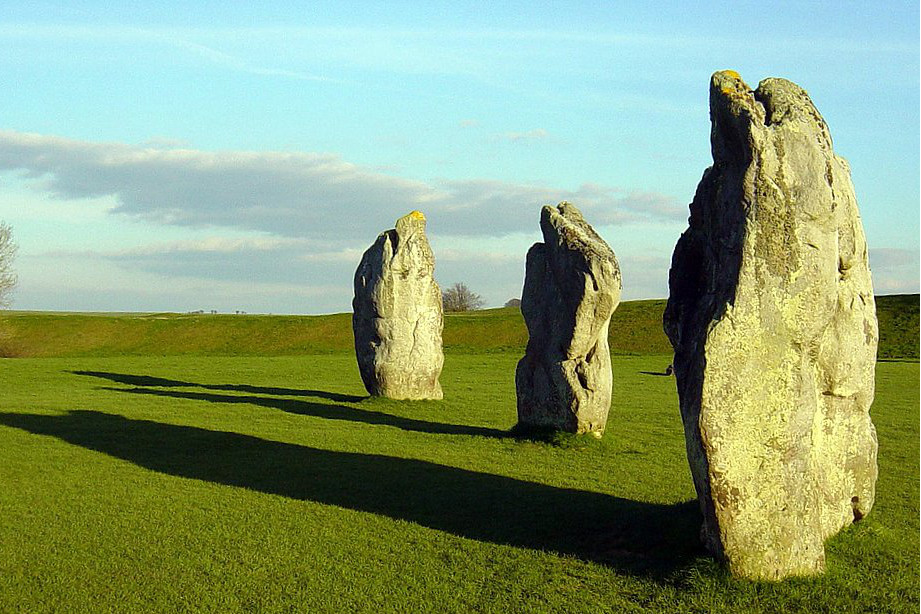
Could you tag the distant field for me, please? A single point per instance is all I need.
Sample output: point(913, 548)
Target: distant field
point(271, 484)
point(635, 329)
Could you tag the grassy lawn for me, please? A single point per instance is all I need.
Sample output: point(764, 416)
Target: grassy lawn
point(204, 483)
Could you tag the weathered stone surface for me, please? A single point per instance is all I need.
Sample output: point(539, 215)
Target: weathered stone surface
point(571, 288)
point(772, 318)
point(397, 315)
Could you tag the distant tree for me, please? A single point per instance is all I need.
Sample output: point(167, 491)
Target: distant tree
point(8, 277)
point(513, 302)
point(460, 298)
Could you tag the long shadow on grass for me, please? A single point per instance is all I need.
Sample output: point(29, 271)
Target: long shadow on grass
point(150, 380)
point(645, 539)
point(323, 410)
point(295, 406)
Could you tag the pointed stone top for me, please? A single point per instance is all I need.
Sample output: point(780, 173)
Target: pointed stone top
point(730, 84)
point(413, 221)
point(736, 111)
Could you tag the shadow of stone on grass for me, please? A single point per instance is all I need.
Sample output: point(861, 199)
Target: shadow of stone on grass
point(651, 540)
point(151, 385)
point(326, 411)
point(150, 380)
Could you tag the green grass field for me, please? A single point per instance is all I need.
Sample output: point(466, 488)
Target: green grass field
point(164, 482)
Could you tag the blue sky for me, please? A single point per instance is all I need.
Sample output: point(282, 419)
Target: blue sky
point(231, 156)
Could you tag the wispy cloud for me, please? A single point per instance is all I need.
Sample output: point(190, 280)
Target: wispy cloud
point(538, 134)
point(238, 64)
point(230, 274)
point(895, 270)
point(483, 207)
point(206, 245)
point(178, 282)
point(888, 257)
point(261, 34)
point(183, 39)
point(163, 142)
point(306, 217)
point(306, 195)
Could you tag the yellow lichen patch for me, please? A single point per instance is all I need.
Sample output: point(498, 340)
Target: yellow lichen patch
point(417, 215)
point(739, 93)
point(731, 83)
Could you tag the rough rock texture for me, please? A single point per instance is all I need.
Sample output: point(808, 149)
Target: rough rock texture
point(397, 314)
point(571, 289)
point(772, 318)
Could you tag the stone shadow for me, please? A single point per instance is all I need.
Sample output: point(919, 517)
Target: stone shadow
point(644, 539)
point(149, 380)
point(301, 407)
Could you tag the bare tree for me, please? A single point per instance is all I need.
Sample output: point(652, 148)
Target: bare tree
point(460, 298)
point(8, 277)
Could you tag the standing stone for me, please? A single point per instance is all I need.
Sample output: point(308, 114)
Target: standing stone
point(772, 318)
point(397, 314)
point(571, 289)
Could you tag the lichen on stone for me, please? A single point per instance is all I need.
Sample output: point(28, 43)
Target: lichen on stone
point(397, 315)
point(772, 318)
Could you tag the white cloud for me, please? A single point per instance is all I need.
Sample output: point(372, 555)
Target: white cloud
point(496, 208)
point(305, 195)
point(493, 257)
point(103, 282)
point(235, 63)
point(164, 142)
point(888, 257)
point(213, 244)
point(267, 222)
point(341, 39)
point(538, 134)
point(293, 194)
point(895, 271)
point(644, 275)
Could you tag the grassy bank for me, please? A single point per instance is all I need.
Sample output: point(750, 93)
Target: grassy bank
point(636, 328)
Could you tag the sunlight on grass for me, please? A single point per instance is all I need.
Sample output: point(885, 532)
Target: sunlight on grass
point(273, 483)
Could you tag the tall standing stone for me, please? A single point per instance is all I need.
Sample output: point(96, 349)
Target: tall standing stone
point(772, 318)
point(571, 288)
point(397, 314)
